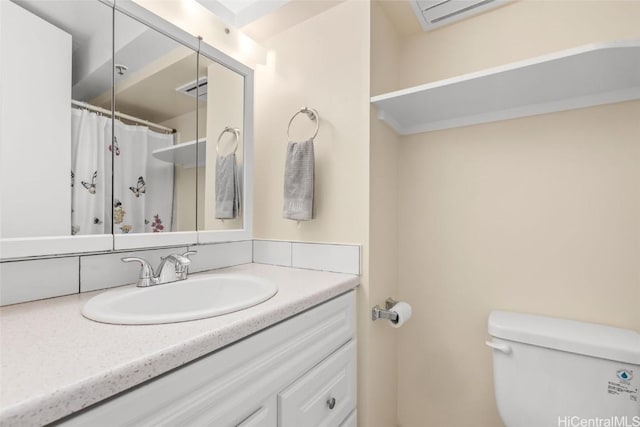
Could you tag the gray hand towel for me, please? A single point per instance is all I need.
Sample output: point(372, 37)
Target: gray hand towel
point(298, 181)
point(227, 187)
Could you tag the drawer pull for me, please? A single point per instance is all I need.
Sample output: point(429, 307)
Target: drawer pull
point(331, 403)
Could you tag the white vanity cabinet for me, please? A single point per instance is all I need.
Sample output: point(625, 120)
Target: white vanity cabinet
point(298, 373)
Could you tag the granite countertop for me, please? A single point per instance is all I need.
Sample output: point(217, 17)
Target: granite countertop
point(54, 362)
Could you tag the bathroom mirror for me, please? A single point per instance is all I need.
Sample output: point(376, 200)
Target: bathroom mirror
point(68, 67)
point(55, 181)
point(154, 147)
point(221, 116)
point(226, 195)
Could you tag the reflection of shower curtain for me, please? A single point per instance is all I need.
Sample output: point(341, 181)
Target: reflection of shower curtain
point(90, 173)
point(143, 188)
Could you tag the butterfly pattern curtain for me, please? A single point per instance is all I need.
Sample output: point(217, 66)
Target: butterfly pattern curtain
point(90, 173)
point(143, 185)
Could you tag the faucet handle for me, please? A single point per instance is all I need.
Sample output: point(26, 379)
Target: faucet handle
point(146, 271)
point(182, 268)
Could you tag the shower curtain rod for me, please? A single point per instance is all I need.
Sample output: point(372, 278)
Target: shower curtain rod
point(121, 115)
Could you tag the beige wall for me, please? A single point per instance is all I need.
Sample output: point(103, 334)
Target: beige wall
point(329, 71)
point(517, 31)
point(536, 215)
point(324, 63)
point(539, 214)
point(383, 219)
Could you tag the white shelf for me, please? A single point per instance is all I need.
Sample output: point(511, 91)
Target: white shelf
point(589, 75)
point(184, 154)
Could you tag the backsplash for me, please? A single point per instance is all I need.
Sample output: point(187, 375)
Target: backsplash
point(337, 258)
point(52, 277)
point(40, 278)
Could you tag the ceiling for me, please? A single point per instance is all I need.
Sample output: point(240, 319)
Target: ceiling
point(402, 13)
point(285, 17)
point(294, 12)
point(239, 13)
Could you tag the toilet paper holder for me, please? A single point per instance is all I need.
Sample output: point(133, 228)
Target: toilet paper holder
point(379, 313)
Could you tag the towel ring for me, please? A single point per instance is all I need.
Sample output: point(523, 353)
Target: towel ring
point(235, 132)
point(312, 114)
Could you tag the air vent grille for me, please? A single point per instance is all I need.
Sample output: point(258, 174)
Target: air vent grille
point(196, 88)
point(436, 13)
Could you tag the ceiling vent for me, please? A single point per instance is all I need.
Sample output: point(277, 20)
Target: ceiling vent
point(437, 13)
point(195, 89)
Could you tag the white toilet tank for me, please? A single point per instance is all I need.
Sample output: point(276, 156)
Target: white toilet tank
point(561, 373)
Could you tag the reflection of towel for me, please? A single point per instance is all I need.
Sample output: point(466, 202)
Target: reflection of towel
point(298, 181)
point(227, 189)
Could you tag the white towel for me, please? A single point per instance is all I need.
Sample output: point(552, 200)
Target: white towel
point(298, 181)
point(227, 187)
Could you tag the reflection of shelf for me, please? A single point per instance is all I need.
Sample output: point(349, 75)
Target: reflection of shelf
point(590, 75)
point(184, 154)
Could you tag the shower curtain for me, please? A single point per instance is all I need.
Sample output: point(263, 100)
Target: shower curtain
point(90, 173)
point(143, 185)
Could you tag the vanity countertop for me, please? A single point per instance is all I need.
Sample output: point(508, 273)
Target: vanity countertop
point(55, 362)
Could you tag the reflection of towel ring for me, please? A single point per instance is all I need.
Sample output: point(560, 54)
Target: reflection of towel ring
point(235, 131)
point(312, 114)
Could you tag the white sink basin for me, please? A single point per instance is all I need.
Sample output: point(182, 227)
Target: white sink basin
point(194, 298)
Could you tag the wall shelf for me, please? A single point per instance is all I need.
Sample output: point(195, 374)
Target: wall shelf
point(184, 154)
point(594, 74)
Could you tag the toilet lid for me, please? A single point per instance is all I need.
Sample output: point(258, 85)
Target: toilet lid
point(590, 339)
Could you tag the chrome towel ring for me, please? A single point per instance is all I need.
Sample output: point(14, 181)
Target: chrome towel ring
point(311, 114)
point(236, 133)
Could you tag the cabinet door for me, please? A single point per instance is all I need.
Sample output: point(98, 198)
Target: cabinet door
point(325, 395)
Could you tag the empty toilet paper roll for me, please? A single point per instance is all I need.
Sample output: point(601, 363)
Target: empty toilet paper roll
point(404, 313)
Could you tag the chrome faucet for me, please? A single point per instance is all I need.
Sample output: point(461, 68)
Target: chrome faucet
point(173, 267)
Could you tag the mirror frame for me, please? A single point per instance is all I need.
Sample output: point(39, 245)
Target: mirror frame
point(15, 248)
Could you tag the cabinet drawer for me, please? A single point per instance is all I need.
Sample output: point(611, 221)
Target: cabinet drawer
point(265, 416)
point(352, 420)
point(325, 395)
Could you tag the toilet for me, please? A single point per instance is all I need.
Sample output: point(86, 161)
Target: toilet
point(550, 372)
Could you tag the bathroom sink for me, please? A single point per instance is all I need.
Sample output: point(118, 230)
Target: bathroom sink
point(191, 299)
